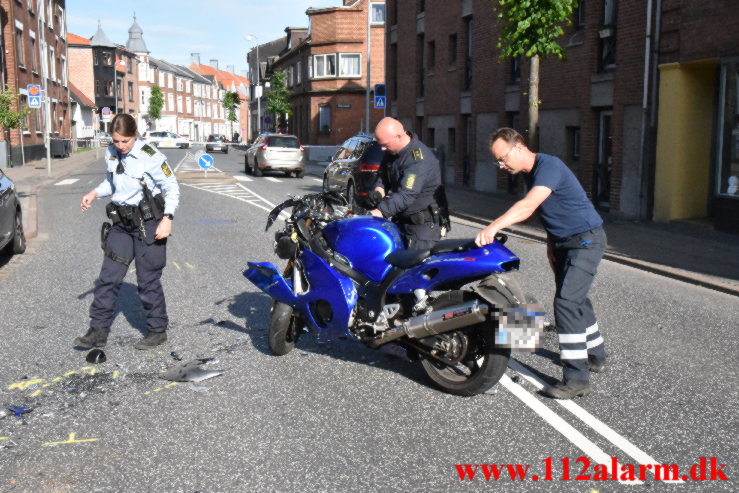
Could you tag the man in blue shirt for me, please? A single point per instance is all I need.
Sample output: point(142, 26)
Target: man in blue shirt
point(140, 227)
point(575, 245)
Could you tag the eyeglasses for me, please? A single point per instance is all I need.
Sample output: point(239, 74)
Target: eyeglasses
point(501, 161)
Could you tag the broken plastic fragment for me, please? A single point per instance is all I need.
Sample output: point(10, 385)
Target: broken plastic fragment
point(492, 390)
point(96, 356)
point(19, 411)
point(190, 371)
point(176, 356)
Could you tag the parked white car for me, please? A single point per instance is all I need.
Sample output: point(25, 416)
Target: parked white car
point(167, 139)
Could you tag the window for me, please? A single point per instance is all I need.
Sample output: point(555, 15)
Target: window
point(52, 63)
point(431, 57)
point(298, 72)
point(350, 65)
point(290, 76)
point(377, 17)
point(421, 75)
point(143, 96)
point(727, 154)
point(324, 119)
point(129, 65)
point(119, 90)
point(98, 88)
point(179, 104)
point(108, 88)
point(325, 65)
point(62, 24)
point(170, 102)
point(516, 69)
point(64, 71)
point(431, 139)
point(607, 37)
point(23, 104)
point(421, 6)
point(33, 51)
point(107, 58)
point(96, 58)
point(579, 14)
point(161, 79)
point(19, 51)
point(310, 67)
point(573, 143)
point(180, 85)
point(37, 120)
point(189, 105)
point(130, 91)
point(468, 54)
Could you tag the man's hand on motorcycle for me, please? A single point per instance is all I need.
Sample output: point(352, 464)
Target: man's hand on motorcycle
point(486, 236)
point(376, 213)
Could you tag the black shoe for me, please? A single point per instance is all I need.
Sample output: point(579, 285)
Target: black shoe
point(597, 366)
point(151, 340)
point(568, 389)
point(93, 338)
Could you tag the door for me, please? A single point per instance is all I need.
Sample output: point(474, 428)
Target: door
point(602, 175)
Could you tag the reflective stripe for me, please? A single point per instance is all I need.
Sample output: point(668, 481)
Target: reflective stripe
point(574, 354)
point(571, 338)
point(595, 342)
point(592, 329)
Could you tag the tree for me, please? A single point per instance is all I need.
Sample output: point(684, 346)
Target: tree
point(278, 99)
point(530, 28)
point(156, 103)
point(10, 118)
point(231, 102)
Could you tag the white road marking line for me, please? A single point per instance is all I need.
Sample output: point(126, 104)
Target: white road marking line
point(317, 179)
point(273, 179)
point(184, 158)
point(68, 181)
point(597, 425)
point(236, 191)
point(559, 424)
point(243, 178)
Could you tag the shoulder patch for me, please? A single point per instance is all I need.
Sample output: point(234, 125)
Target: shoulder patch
point(410, 181)
point(148, 149)
point(417, 154)
point(165, 168)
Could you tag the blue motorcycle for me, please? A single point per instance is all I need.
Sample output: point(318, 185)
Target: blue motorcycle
point(456, 308)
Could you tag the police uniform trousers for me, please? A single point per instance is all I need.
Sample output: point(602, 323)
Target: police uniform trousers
point(419, 236)
point(150, 258)
point(576, 260)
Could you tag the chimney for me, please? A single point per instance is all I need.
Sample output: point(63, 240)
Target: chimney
point(195, 58)
point(231, 68)
point(214, 64)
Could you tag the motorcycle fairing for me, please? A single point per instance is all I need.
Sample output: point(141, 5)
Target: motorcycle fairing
point(324, 285)
point(455, 266)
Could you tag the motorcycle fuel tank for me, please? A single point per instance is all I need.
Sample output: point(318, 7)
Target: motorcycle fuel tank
point(365, 241)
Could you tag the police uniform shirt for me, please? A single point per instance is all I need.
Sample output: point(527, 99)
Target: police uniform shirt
point(413, 176)
point(142, 161)
point(567, 210)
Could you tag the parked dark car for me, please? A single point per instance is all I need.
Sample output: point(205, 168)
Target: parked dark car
point(216, 142)
point(12, 238)
point(275, 152)
point(353, 169)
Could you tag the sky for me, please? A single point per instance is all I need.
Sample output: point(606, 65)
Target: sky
point(175, 28)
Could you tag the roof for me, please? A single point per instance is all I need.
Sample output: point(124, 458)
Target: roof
point(135, 41)
point(73, 39)
point(79, 97)
point(100, 39)
point(225, 78)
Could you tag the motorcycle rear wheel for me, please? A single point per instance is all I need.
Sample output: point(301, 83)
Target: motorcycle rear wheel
point(479, 366)
point(284, 329)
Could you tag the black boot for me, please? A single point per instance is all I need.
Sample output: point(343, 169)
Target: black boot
point(596, 365)
point(95, 337)
point(568, 389)
point(151, 340)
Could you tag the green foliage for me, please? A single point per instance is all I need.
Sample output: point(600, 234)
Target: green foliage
point(531, 27)
point(278, 99)
point(9, 118)
point(231, 102)
point(156, 103)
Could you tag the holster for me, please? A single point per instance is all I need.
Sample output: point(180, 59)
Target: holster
point(104, 232)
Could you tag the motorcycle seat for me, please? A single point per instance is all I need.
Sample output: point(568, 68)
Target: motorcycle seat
point(407, 258)
point(446, 246)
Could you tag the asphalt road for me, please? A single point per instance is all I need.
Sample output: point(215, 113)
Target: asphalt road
point(337, 416)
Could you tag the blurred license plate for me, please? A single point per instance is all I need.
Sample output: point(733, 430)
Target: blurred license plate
point(520, 327)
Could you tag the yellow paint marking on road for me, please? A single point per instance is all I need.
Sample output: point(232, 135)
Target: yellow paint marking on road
point(4, 438)
point(159, 389)
point(115, 374)
point(191, 267)
point(177, 265)
point(54, 380)
point(70, 373)
point(37, 393)
point(171, 384)
point(72, 439)
point(24, 384)
point(89, 369)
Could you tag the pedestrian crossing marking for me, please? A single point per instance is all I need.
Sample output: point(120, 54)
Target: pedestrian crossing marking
point(190, 163)
point(276, 180)
point(239, 192)
point(68, 181)
point(243, 178)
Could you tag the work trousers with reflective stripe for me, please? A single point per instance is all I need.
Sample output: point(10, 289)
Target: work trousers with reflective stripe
point(150, 255)
point(576, 260)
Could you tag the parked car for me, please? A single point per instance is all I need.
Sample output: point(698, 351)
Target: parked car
point(12, 238)
point(276, 152)
point(167, 139)
point(353, 169)
point(216, 142)
point(103, 137)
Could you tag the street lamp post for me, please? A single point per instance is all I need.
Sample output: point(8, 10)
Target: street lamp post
point(258, 89)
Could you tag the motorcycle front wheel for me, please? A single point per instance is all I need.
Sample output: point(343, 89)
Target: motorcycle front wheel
point(284, 329)
point(474, 364)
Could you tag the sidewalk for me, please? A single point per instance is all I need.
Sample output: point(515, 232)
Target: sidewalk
point(690, 251)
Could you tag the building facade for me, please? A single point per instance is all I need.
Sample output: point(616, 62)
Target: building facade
point(34, 39)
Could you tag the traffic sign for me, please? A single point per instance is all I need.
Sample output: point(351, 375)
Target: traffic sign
point(34, 95)
point(106, 113)
point(205, 161)
point(379, 101)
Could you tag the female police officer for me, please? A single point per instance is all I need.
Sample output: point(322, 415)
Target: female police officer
point(144, 196)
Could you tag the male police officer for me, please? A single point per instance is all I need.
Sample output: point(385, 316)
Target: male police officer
point(144, 198)
point(575, 244)
point(411, 172)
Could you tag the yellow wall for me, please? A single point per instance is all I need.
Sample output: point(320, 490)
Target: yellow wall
point(684, 140)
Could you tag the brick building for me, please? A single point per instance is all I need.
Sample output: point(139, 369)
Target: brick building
point(599, 108)
point(327, 71)
point(34, 51)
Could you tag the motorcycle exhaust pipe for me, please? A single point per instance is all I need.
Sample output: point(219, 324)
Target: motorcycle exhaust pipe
point(436, 322)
